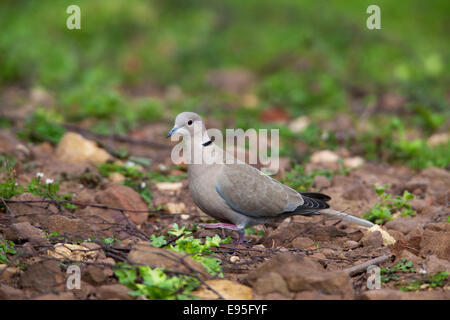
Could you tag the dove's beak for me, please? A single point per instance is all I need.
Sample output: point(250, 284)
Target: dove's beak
point(171, 132)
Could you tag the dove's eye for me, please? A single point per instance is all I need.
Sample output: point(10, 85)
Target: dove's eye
point(189, 122)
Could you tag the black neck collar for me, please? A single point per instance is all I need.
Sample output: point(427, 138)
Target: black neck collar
point(207, 143)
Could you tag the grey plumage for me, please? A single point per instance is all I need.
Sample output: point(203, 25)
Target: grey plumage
point(240, 194)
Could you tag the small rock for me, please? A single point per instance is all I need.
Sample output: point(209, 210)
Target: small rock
point(94, 275)
point(116, 177)
point(321, 182)
point(386, 237)
point(353, 162)
point(434, 264)
point(169, 186)
point(229, 290)
point(234, 259)
point(324, 156)
point(10, 293)
point(329, 253)
point(417, 184)
point(43, 276)
point(27, 212)
point(436, 240)
point(303, 274)
point(351, 244)
point(75, 148)
point(76, 229)
point(119, 196)
point(7, 273)
point(438, 138)
point(271, 283)
point(113, 291)
point(302, 243)
point(358, 192)
point(175, 207)
point(299, 124)
point(24, 231)
point(73, 252)
point(143, 253)
point(372, 239)
point(418, 205)
point(405, 224)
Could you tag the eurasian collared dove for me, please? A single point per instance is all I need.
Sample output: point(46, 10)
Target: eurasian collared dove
point(237, 194)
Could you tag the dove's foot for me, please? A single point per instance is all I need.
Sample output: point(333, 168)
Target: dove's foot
point(228, 226)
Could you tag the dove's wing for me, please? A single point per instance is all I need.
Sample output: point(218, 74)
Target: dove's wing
point(255, 194)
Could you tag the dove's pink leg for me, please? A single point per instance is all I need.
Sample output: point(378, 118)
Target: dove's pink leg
point(228, 226)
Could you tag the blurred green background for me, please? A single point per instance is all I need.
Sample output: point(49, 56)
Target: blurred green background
point(382, 94)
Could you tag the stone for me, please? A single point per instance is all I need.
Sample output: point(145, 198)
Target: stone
point(35, 213)
point(74, 252)
point(118, 196)
point(324, 156)
point(353, 162)
point(386, 237)
point(75, 229)
point(7, 273)
point(73, 147)
point(24, 231)
point(303, 274)
point(113, 292)
point(417, 185)
point(418, 205)
point(116, 177)
point(321, 182)
point(144, 253)
point(433, 264)
point(405, 224)
point(43, 276)
point(436, 240)
point(302, 243)
point(299, 124)
point(169, 186)
point(175, 207)
point(438, 139)
point(229, 290)
point(271, 283)
point(94, 275)
point(372, 239)
point(10, 293)
point(350, 244)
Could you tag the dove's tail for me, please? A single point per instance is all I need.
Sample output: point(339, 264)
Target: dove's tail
point(346, 217)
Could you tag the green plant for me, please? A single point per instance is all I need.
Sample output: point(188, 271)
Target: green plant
point(6, 248)
point(43, 125)
point(389, 274)
point(111, 240)
point(299, 180)
point(195, 248)
point(437, 279)
point(382, 211)
point(155, 283)
point(10, 188)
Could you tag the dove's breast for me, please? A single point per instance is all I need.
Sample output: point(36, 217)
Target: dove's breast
point(202, 187)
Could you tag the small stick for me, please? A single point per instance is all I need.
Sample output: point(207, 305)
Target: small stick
point(363, 266)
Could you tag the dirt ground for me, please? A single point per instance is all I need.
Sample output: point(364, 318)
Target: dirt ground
point(299, 258)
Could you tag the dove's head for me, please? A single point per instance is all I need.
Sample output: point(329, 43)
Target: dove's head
point(187, 123)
